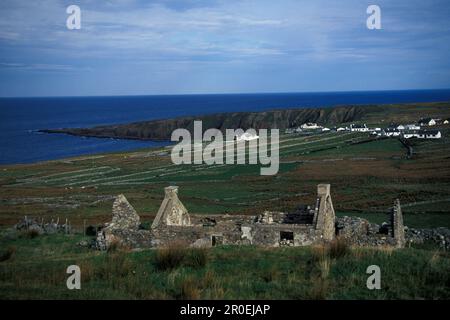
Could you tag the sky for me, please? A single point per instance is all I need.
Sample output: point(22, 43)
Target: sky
point(143, 47)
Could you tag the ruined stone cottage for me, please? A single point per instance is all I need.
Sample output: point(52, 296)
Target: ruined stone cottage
point(306, 226)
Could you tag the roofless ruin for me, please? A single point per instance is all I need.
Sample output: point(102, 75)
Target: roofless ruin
point(306, 226)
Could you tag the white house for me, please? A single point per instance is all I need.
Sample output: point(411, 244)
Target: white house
point(446, 121)
point(422, 134)
point(326, 129)
point(410, 134)
point(428, 122)
point(310, 126)
point(401, 127)
point(247, 137)
point(359, 128)
point(391, 132)
point(341, 129)
point(432, 134)
point(412, 127)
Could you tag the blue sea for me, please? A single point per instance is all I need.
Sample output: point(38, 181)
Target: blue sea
point(20, 118)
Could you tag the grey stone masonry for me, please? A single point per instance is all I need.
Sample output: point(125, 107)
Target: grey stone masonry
point(324, 218)
point(171, 212)
point(123, 215)
point(398, 229)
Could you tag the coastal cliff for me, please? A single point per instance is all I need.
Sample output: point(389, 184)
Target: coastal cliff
point(281, 119)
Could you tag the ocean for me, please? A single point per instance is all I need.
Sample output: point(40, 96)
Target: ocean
point(20, 118)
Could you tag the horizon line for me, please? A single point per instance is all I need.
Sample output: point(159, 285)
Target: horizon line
point(211, 94)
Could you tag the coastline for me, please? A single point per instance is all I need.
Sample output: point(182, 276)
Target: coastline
point(41, 143)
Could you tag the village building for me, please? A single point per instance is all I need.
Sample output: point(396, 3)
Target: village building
point(422, 134)
point(412, 127)
point(428, 122)
point(430, 134)
point(310, 126)
point(359, 128)
point(247, 136)
point(391, 132)
point(410, 134)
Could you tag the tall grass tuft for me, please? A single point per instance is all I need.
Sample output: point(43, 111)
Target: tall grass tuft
point(338, 248)
point(189, 289)
point(324, 266)
point(319, 289)
point(170, 257)
point(116, 246)
point(321, 256)
point(211, 285)
point(197, 257)
point(114, 265)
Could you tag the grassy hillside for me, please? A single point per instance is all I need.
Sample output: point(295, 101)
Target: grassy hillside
point(37, 270)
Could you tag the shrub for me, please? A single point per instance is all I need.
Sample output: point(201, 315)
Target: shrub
point(31, 234)
point(170, 257)
point(8, 254)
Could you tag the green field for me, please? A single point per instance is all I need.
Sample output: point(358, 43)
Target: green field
point(365, 178)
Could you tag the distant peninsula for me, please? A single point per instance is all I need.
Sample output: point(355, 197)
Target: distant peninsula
point(158, 130)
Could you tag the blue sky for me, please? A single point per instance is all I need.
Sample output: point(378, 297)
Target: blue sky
point(133, 47)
